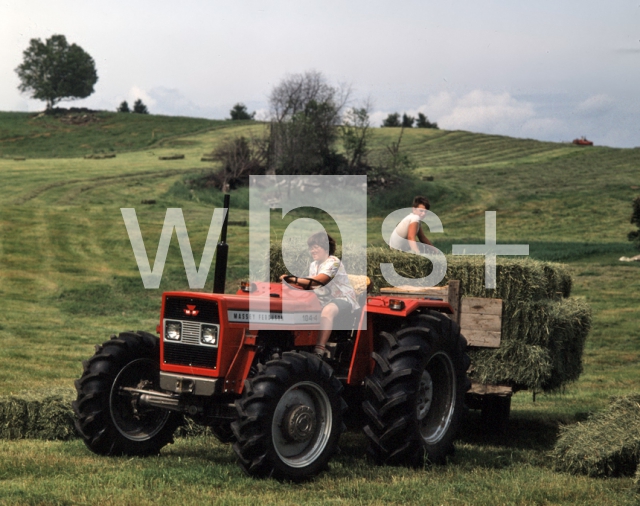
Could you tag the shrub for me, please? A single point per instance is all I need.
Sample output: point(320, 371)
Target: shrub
point(239, 112)
point(139, 107)
point(392, 120)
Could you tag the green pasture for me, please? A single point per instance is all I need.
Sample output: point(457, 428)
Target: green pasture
point(68, 279)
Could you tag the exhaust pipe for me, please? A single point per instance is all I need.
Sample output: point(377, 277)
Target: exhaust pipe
point(222, 253)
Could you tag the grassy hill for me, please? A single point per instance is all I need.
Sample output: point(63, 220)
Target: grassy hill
point(68, 279)
point(35, 135)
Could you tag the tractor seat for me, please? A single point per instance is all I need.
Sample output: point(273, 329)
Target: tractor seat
point(362, 286)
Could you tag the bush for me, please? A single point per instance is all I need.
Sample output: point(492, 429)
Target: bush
point(139, 107)
point(407, 121)
point(240, 158)
point(123, 107)
point(423, 122)
point(393, 120)
point(239, 112)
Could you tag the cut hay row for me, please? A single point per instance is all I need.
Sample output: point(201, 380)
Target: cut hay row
point(543, 331)
point(608, 444)
point(27, 416)
point(49, 416)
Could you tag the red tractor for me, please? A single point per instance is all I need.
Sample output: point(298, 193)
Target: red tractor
point(582, 141)
point(402, 379)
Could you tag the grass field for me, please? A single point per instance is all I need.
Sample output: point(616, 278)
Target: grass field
point(68, 279)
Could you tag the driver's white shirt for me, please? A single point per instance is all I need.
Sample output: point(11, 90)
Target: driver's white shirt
point(339, 287)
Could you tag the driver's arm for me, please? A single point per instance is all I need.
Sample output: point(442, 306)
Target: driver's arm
point(308, 283)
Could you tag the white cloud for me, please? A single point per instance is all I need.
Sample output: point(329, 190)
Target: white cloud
point(483, 111)
point(136, 93)
point(486, 112)
point(596, 104)
point(262, 114)
point(545, 128)
point(377, 117)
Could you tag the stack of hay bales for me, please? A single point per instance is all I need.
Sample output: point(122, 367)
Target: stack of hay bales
point(37, 416)
point(608, 444)
point(543, 330)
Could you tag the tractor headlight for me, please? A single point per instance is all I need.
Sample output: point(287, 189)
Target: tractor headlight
point(173, 331)
point(209, 335)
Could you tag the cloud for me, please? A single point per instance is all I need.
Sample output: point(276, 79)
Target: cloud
point(487, 112)
point(262, 114)
point(172, 102)
point(483, 111)
point(377, 117)
point(136, 93)
point(597, 104)
point(478, 111)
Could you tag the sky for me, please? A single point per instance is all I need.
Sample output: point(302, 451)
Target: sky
point(546, 70)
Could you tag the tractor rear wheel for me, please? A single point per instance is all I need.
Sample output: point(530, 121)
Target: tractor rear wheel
point(415, 396)
point(109, 418)
point(289, 418)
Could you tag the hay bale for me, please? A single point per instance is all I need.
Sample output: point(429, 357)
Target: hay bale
point(608, 444)
point(171, 157)
point(517, 279)
point(541, 347)
point(100, 156)
point(37, 417)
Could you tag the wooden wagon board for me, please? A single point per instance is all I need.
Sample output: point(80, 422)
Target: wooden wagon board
point(480, 319)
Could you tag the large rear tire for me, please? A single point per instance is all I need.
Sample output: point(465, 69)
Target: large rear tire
point(289, 418)
point(108, 418)
point(415, 396)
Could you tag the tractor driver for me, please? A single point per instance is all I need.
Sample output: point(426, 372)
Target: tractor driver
point(339, 298)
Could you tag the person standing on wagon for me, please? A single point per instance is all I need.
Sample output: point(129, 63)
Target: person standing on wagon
point(407, 233)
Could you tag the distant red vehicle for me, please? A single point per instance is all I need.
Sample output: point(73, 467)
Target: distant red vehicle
point(582, 141)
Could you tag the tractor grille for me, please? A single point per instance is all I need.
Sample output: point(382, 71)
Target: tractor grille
point(207, 310)
point(190, 332)
point(188, 354)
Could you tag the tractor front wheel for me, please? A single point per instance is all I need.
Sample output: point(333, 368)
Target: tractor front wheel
point(289, 418)
point(108, 416)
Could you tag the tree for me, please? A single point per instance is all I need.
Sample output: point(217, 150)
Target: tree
point(393, 120)
point(124, 107)
point(355, 132)
point(239, 112)
point(139, 107)
point(407, 121)
point(240, 158)
point(423, 122)
point(54, 70)
point(305, 114)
